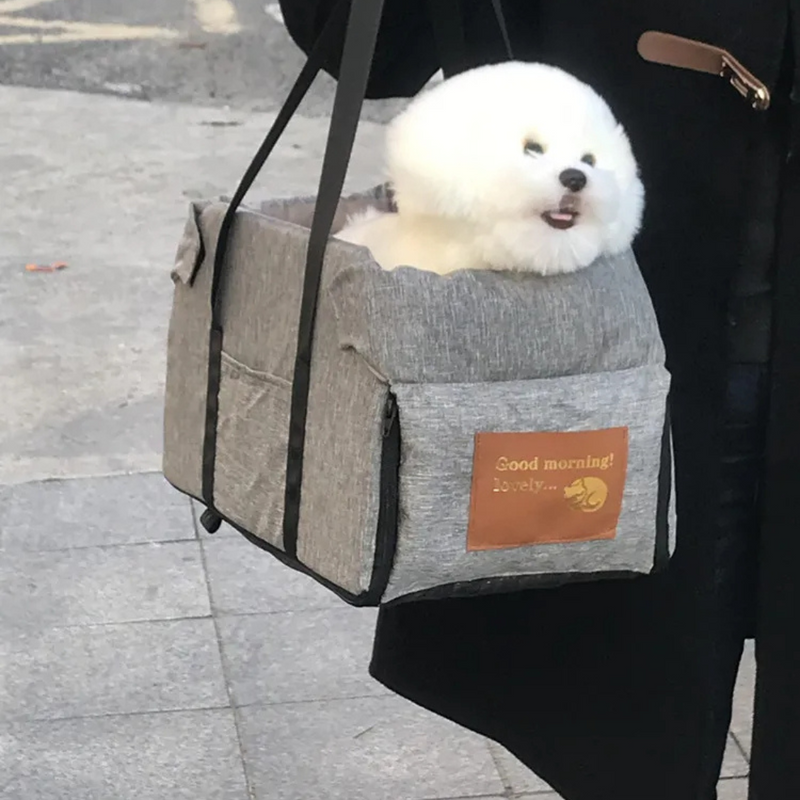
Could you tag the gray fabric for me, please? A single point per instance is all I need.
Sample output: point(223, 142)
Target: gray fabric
point(187, 361)
point(190, 248)
point(338, 519)
point(477, 326)
point(300, 210)
point(461, 340)
point(251, 454)
point(439, 422)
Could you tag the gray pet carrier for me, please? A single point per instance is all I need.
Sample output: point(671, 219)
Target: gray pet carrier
point(399, 434)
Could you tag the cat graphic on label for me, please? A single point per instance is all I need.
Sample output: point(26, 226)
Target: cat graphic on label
point(586, 494)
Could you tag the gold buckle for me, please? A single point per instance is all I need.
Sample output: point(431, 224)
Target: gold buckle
point(752, 90)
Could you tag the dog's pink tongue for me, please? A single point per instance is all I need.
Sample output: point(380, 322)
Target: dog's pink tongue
point(562, 216)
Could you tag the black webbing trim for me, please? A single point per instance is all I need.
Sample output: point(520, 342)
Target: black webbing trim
point(324, 45)
point(661, 555)
point(212, 412)
point(510, 583)
point(359, 48)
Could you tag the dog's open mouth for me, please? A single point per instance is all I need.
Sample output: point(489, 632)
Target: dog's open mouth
point(562, 220)
point(564, 217)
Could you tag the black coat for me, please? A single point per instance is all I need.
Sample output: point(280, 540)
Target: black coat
point(621, 690)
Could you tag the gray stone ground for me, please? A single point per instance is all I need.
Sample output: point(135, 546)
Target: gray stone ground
point(177, 59)
point(140, 659)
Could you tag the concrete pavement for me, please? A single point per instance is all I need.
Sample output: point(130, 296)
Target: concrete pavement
point(212, 52)
point(140, 658)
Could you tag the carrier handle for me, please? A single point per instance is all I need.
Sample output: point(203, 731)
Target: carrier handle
point(361, 33)
point(359, 48)
point(331, 34)
point(449, 29)
point(359, 45)
point(450, 34)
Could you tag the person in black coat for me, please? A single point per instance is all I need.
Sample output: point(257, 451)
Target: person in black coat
point(621, 690)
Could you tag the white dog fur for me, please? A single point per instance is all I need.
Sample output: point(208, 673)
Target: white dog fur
point(476, 164)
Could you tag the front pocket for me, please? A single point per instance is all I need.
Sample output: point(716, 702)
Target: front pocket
point(252, 433)
point(601, 412)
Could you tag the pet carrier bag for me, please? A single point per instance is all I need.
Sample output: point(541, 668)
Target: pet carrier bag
point(399, 434)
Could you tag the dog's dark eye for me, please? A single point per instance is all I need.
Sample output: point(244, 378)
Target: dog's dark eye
point(589, 159)
point(534, 147)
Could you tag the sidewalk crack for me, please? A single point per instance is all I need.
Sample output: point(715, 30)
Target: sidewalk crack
point(251, 794)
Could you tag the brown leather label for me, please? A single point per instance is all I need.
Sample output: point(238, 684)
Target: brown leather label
point(546, 488)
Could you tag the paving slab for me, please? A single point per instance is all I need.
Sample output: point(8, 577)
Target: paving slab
point(744, 695)
point(521, 780)
point(102, 584)
point(64, 514)
point(299, 656)
point(516, 777)
point(244, 580)
point(734, 763)
point(524, 796)
point(180, 756)
point(732, 789)
point(111, 669)
point(365, 749)
point(543, 796)
point(200, 51)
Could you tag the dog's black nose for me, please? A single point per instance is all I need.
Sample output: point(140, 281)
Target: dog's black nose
point(573, 179)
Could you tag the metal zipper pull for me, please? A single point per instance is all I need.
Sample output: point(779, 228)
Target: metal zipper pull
point(675, 51)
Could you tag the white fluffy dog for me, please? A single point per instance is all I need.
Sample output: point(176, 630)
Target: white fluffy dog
point(514, 166)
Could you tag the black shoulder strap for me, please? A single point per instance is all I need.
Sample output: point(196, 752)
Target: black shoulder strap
point(327, 41)
point(362, 34)
point(360, 38)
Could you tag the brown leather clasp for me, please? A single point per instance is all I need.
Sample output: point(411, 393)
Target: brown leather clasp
point(675, 51)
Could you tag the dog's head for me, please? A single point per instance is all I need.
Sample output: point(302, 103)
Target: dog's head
point(530, 157)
